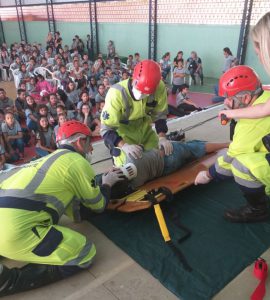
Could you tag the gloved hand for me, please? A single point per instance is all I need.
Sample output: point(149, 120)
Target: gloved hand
point(202, 178)
point(112, 177)
point(167, 145)
point(133, 151)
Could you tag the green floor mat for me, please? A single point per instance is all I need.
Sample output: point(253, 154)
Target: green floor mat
point(217, 250)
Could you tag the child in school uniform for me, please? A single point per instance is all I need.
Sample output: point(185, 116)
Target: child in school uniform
point(85, 116)
point(13, 136)
point(45, 138)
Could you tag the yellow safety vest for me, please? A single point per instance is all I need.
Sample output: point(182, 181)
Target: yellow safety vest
point(56, 183)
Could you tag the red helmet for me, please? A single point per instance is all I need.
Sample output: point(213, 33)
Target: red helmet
point(146, 76)
point(238, 79)
point(70, 128)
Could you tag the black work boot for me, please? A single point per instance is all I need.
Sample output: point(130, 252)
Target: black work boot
point(31, 276)
point(255, 211)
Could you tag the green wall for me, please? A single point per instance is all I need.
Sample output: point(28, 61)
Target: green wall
point(69, 30)
point(128, 38)
point(11, 30)
point(38, 32)
point(207, 40)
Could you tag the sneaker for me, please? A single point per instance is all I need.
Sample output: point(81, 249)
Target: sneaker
point(177, 135)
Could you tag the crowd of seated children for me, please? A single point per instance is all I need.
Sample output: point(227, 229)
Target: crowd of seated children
point(82, 87)
point(41, 120)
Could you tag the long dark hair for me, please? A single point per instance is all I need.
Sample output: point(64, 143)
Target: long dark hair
point(82, 83)
point(41, 134)
point(80, 111)
point(227, 50)
point(33, 108)
point(165, 55)
point(63, 96)
point(92, 86)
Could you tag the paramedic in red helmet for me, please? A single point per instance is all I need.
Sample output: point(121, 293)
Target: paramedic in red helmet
point(34, 196)
point(247, 158)
point(131, 106)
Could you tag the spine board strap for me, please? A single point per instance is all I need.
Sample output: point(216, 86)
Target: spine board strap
point(151, 196)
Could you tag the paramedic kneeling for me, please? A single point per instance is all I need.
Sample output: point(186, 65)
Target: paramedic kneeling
point(247, 159)
point(131, 106)
point(34, 196)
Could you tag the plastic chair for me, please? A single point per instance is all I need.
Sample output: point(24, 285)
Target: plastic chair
point(42, 71)
point(15, 74)
point(12, 67)
point(3, 74)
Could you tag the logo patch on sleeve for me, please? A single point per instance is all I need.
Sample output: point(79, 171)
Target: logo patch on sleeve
point(105, 115)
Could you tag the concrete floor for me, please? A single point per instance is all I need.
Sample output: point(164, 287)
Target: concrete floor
point(114, 275)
